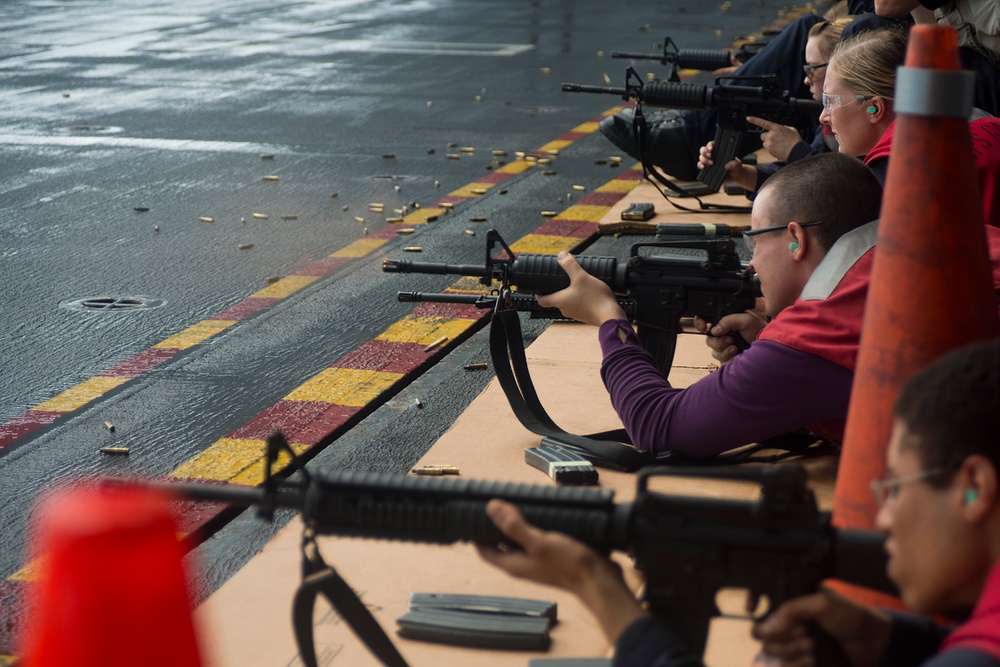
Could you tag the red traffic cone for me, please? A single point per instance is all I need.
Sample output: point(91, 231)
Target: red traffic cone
point(111, 590)
point(931, 289)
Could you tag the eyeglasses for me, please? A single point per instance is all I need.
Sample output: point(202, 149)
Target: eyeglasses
point(886, 490)
point(748, 236)
point(831, 102)
point(810, 69)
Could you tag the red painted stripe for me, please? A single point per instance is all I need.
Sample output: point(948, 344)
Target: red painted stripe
point(383, 355)
point(13, 612)
point(193, 516)
point(629, 175)
point(244, 309)
point(580, 229)
point(142, 362)
point(495, 177)
point(25, 423)
point(388, 232)
point(573, 136)
point(326, 265)
point(454, 310)
point(602, 198)
point(302, 422)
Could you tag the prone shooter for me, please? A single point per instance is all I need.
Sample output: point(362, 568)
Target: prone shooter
point(733, 102)
point(659, 290)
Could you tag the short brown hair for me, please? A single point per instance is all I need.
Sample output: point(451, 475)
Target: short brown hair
point(838, 189)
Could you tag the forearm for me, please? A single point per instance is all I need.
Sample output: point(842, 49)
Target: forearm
point(724, 409)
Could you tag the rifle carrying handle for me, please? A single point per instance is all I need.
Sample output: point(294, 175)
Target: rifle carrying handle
point(727, 141)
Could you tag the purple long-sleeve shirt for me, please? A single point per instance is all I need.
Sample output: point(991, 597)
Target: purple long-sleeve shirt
point(767, 390)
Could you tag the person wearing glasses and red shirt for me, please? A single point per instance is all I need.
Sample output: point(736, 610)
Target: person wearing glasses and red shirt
point(940, 507)
point(811, 249)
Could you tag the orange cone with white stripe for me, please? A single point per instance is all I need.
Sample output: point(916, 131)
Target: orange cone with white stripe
point(931, 288)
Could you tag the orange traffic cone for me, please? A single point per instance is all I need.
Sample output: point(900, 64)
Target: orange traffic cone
point(111, 590)
point(931, 288)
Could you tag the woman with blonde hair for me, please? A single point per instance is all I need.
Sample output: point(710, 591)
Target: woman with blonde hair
point(783, 141)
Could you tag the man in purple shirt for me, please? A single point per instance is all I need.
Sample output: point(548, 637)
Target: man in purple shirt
point(811, 240)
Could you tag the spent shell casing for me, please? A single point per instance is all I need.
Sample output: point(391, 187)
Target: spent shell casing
point(290, 216)
point(452, 144)
point(272, 177)
point(467, 149)
point(478, 191)
point(549, 214)
point(405, 230)
point(418, 402)
point(270, 280)
point(579, 187)
point(259, 216)
point(453, 156)
point(359, 219)
point(267, 156)
point(470, 232)
point(120, 451)
point(142, 209)
point(109, 426)
point(445, 469)
point(206, 218)
point(413, 248)
point(544, 160)
point(430, 472)
point(388, 156)
point(478, 218)
point(244, 246)
point(502, 192)
point(394, 220)
point(478, 366)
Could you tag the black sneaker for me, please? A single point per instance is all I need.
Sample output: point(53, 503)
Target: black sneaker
point(666, 146)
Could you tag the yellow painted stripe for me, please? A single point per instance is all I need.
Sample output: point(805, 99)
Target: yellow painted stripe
point(468, 284)
point(360, 248)
point(612, 111)
point(588, 127)
point(419, 217)
point(345, 386)
point(8, 660)
point(584, 212)
point(540, 243)
point(78, 396)
point(253, 474)
point(516, 167)
point(238, 460)
point(471, 189)
point(196, 333)
point(618, 185)
point(424, 330)
point(555, 145)
point(28, 572)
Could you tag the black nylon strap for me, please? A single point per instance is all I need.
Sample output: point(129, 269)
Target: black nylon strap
point(511, 366)
point(319, 578)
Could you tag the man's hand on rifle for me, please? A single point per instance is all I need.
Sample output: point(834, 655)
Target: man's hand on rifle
point(558, 560)
point(776, 138)
point(736, 172)
point(862, 632)
point(720, 334)
point(587, 299)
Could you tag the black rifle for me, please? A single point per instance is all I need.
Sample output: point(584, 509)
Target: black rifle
point(779, 546)
point(659, 290)
point(676, 59)
point(733, 102)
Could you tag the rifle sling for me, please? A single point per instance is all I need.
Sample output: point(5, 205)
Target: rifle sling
point(320, 578)
point(608, 449)
point(511, 366)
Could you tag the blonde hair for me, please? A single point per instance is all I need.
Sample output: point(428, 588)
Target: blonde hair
point(828, 33)
point(866, 62)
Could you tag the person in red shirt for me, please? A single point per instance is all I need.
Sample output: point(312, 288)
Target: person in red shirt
point(940, 507)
